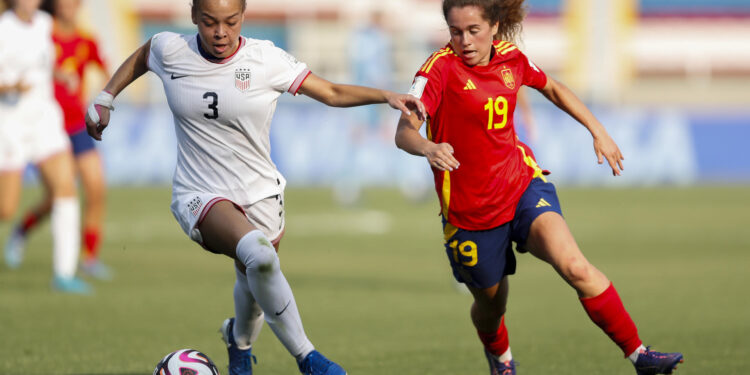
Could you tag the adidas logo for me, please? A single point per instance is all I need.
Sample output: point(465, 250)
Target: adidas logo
point(543, 203)
point(470, 85)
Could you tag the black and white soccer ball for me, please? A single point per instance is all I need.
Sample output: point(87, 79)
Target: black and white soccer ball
point(186, 362)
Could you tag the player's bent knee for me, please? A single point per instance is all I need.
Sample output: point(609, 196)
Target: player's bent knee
point(257, 253)
point(577, 271)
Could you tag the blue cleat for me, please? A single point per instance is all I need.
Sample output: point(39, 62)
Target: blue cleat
point(240, 361)
point(500, 368)
point(316, 364)
point(651, 362)
point(14, 249)
point(72, 285)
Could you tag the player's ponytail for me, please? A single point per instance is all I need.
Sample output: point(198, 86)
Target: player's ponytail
point(509, 14)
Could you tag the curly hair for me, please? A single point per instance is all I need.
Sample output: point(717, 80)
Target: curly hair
point(509, 14)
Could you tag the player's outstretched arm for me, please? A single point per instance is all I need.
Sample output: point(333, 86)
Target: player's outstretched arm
point(338, 95)
point(97, 117)
point(439, 156)
point(604, 146)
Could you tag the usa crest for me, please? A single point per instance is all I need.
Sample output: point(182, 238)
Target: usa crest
point(195, 206)
point(242, 79)
point(508, 79)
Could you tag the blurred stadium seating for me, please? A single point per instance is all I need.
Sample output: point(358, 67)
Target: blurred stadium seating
point(669, 79)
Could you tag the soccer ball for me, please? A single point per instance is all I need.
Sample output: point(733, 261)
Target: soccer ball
point(186, 362)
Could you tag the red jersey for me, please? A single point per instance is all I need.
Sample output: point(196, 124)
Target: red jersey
point(471, 108)
point(73, 53)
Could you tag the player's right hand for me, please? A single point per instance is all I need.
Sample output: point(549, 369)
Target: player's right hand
point(97, 115)
point(440, 156)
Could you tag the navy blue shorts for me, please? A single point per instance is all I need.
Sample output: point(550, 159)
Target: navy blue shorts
point(81, 142)
point(482, 258)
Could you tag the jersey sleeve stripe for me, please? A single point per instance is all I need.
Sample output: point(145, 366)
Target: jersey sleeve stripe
point(421, 69)
point(501, 45)
point(432, 58)
point(427, 70)
point(511, 48)
point(298, 81)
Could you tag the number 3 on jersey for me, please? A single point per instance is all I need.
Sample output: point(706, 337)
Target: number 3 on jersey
point(213, 105)
point(498, 106)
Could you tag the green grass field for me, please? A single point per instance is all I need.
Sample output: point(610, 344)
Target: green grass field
point(375, 291)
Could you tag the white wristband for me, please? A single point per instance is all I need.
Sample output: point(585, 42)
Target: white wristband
point(104, 99)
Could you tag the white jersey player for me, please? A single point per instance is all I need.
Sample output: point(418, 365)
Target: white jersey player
point(31, 131)
point(222, 113)
point(227, 193)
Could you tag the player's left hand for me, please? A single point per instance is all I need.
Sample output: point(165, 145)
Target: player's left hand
point(606, 148)
point(407, 103)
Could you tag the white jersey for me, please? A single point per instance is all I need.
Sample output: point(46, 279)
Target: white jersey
point(31, 123)
point(222, 114)
point(26, 56)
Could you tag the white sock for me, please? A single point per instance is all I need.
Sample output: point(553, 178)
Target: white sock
point(248, 316)
point(272, 292)
point(634, 355)
point(506, 356)
point(66, 236)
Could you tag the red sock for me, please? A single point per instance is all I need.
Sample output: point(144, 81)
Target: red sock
point(29, 222)
point(91, 242)
point(607, 311)
point(497, 342)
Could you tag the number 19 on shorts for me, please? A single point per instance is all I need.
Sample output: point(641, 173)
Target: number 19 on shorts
point(467, 249)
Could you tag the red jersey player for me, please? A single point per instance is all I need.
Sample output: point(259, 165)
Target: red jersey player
point(492, 191)
point(75, 52)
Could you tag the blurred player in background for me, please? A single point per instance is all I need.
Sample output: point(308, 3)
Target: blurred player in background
point(31, 131)
point(75, 51)
point(527, 116)
point(227, 194)
point(491, 189)
point(371, 64)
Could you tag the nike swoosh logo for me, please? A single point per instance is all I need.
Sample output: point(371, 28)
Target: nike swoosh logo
point(284, 309)
point(178, 76)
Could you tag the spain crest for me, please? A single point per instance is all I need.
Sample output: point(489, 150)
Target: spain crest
point(508, 78)
point(242, 79)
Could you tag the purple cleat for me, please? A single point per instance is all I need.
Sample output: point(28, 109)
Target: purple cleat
point(500, 368)
point(651, 362)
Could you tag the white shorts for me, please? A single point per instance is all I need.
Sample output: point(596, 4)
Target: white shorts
point(190, 208)
point(31, 137)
